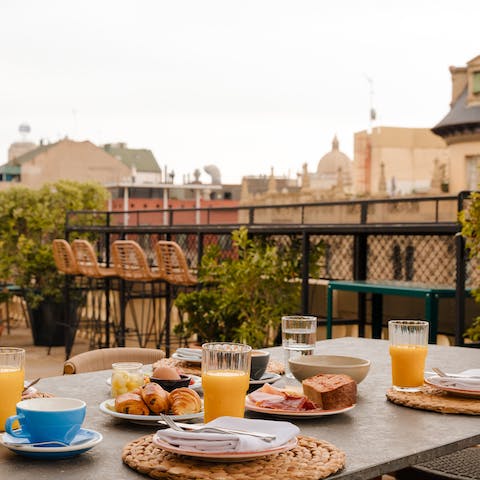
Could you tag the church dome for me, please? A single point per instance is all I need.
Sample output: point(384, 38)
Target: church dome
point(333, 160)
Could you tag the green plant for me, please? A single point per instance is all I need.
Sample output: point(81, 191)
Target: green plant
point(470, 221)
point(29, 221)
point(243, 298)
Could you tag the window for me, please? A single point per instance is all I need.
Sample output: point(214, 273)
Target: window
point(473, 177)
point(476, 83)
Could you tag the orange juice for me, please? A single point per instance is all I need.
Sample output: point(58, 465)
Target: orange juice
point(224, 393)
point(11, 387)
point(408, 364)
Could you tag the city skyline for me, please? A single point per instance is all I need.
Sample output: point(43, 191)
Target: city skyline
point(244, 85)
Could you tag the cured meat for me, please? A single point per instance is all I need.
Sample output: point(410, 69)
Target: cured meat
point(274, 398)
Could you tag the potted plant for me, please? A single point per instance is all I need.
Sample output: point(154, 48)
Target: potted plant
point(29, 221)
point(243, 298)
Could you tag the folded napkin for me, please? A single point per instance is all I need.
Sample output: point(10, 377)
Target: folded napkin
point(466, 382)
point(193, 353)
point(226, 442)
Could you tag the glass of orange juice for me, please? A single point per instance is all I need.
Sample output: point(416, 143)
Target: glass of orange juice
point(12, 376)
point(408, 351)
point(225, 379)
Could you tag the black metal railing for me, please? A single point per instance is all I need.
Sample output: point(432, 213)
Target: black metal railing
point(413, 239)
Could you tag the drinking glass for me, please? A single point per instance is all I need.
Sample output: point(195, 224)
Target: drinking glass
point(408, 351)
point(225, 378)
point(299, 334)
point(12, 376)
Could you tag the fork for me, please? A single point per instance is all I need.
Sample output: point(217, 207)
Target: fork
point(266, 437)
point(441, 373)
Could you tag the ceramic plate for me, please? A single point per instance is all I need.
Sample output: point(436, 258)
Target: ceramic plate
point(224, 456)
point(249, 405)
point(83, 441)
point(108, 407)
point(196, 385)
point(178, 356)
point(436, 381)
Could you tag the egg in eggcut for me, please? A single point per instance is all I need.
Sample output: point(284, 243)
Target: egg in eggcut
point(166, 373)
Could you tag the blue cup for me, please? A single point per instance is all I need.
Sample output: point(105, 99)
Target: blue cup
point(48, 419)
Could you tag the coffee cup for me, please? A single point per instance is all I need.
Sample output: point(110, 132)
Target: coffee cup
point(259, 363)
point(48, 419)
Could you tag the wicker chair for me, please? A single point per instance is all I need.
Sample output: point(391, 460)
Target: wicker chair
point(103, 358)
point(64, 257)
point(173, 266)
point(100, 286)
point(131, 264)
point(87, 263)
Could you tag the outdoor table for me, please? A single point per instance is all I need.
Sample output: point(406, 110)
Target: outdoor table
point(377, 436)
point(431, 294)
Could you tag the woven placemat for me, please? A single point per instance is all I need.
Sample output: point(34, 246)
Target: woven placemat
point(436, 400)
point(311, 459)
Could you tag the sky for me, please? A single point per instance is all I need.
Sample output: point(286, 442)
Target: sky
point(245, 85)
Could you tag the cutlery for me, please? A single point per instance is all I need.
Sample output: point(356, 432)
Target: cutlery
point(441, 373)
point(202, 428)
point(31, 384)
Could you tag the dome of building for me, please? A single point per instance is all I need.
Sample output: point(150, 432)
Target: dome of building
point(333, 160)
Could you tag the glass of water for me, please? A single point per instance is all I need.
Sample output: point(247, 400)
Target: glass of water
point(299, 334)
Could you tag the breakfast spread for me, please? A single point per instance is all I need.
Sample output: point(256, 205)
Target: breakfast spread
point(153, 399)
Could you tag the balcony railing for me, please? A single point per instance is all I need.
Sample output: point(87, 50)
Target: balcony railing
point(412, 239)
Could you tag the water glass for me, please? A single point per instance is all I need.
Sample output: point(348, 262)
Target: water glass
point(299, 334)
point(225, 379)
point(408, 351)
point(12, 377)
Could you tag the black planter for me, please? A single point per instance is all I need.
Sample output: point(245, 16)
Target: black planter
point(48, 324)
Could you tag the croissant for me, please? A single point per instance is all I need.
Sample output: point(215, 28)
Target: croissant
point(131, 403)
point(184, 400)
point(156, 398)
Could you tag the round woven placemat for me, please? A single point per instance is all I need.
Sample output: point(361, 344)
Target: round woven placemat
point(436, 400)
point(311, 459)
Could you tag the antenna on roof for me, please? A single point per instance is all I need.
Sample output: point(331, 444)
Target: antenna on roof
point(372, 113)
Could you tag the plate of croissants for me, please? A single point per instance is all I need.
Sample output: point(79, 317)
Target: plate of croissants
point(145, 404)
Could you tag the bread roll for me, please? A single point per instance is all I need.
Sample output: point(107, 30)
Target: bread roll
point(184, 400)
point(131, 403)
point(156, 398)
point(330, 391)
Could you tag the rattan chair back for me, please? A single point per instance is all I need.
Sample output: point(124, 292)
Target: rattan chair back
point(64, 257)
point(172, 264)
point(131, 262)
point(103, 358)
point(87, 260)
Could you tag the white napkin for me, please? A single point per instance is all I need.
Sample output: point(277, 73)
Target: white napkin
point(223, 442)
point(193, 353)
point(464, 383)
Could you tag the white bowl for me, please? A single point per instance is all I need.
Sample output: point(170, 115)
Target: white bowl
point(310, 365)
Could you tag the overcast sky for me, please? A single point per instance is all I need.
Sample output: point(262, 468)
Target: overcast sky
point(245, 85)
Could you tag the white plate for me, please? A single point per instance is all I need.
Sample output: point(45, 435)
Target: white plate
point(182, 358)
point(83, 441)
point(436, 381)
point(196, 385)
point(224, 456)
point(108, 407)
point(249, 405)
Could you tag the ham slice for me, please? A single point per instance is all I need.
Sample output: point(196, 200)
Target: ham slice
point(271, 397)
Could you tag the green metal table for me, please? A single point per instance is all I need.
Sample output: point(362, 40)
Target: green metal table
point(431, 293)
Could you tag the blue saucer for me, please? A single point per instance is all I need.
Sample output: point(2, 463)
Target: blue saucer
point(83, 441)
